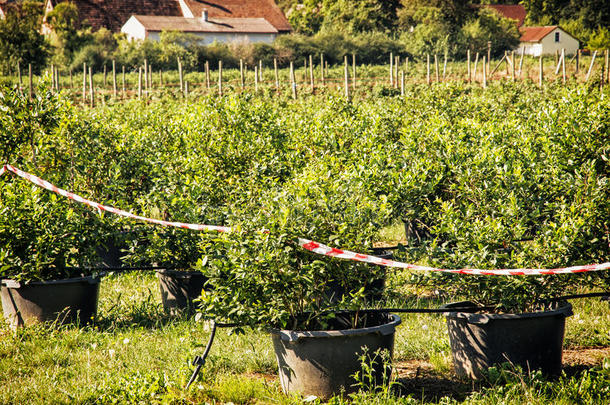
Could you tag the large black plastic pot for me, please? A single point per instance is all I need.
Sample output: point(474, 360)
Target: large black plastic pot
point(65, 301)
point(323, 363)
point(533, 340)
point(179, 289)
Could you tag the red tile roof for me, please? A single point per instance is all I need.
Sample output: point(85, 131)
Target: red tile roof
point(225, 25)
point(535, 34)
point(112, 14)
point(512, 11)
point(266, 9)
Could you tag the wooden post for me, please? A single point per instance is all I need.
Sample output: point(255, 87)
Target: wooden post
point(512, 73)
point(84, 83)
point(508, 62)
point(484, 73)
point(577, 61)
point(19, 74)
point(180, 75)
point(124, 90)
point(396, 64)
point(260, 71)
point(445, 66)
point(277, 77)
point(474, 68)
point(57, 78)
point(607, 66)
point(71, 82)
point(30, 82)
point(105, 75)
point(354, 71)
point(186, 90)
point(436, 72)
point(563, 65)
point(346, 75)
point(468, 65)
point(428, 68)
point(220, 78)
point(140, 83)
point(558, 64)
point(322, 68)
point(540, 67)
point(255, 78)
point(488, 56)
point(52, 76)
point(556, 56)
point(392, 69)
point(114, 88)
point(521, 60)
point(402, 83)
point(207, 74)
point(91, 90)
point(406, 65)
point(241, 73)
point(311, 83)
point(504, 58)
point(293, 82)
point(150, 82)
point(591, 66)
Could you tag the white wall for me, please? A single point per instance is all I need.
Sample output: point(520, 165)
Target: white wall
point(548, 46)
point(133, 29)
point(209, 38)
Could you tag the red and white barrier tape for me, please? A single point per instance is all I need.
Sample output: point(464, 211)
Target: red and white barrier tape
point(346, 254)
point(312, 246)
point(45, 184)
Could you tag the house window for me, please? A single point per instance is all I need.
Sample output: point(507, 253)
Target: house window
point(557, 37)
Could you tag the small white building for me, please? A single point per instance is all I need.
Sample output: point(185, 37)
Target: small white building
point(209, 30)
point(536, 41)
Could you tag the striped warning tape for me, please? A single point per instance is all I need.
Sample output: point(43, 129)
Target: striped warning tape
point(307, 244)
point(45, 184)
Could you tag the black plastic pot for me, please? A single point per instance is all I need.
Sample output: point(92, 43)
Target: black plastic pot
point(65, 301)
point(179, 289)
point(533, 340)
point(323, 363)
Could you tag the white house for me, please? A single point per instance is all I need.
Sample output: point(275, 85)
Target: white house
point(546, 41)
point(209, 30)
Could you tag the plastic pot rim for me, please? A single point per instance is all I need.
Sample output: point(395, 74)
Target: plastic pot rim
point(11, 283)
point(384, 330)
point(563, 310)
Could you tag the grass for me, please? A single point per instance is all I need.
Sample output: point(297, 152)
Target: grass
point(136, 354)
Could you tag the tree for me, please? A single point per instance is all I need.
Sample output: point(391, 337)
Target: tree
point(66, 37)
point(357, 16)
point(20, 39)
point(490, 26)
point(600, 39)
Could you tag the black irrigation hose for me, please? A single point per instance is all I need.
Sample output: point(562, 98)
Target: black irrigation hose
point(123, 268)
point(199, 361)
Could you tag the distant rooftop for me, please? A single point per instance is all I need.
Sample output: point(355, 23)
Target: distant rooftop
point(225, 25)
point(535, 34)
point(512, 11)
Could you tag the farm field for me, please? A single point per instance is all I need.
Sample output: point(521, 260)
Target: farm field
point(457, 176)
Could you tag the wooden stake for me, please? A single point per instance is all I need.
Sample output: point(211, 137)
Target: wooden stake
point(180, 75)
point(521, 60)
point(19, 74)
point(354, 71)
point(124, 90)
point(436, 70)
point(474, 68)
point(577, 61)
point(277, 77)
point(607, 66)
point(84, 83)
point(346, 74)
point(241, 72)
point(207, 74)
point(563, 64)
point(105, 75)
point(255, 78)
point(293, 82)
point(260, 71)
point(468, 66)
point(484, 74)
point(186, 90)
point(559, 63)
point(402, 83)
point(322, 69)
point(220, 78)
point(392, 69)
point(30, 82)
point(541, 69)
point(140, 83)
point(512, 73)
point(311, 83)
point(114, 87)
point(498, 65)
point(591, 66)
point(396, 64)
point(91, 90)
point(428, 68)
point(445, 66)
